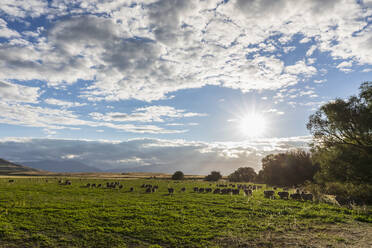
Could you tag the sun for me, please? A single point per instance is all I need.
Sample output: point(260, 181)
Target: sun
point(252, 125)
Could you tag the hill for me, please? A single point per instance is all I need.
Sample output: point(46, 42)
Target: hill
point(62, 166)
point(9, 168)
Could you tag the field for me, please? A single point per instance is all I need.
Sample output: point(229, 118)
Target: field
point(38, 212)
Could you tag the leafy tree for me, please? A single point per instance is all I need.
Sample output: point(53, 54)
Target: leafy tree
point(178, 175)
point(287, 169)
point(214, 176)
point(342, 131)
point(243, 174)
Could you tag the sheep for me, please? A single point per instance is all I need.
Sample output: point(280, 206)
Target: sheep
point(248, 192)
point(216, 191)
point(296, 196)
point(307, 197)
point(170, 190)
point(11, 180)
point(99, 185)
point(120, 186)
point(201, 190)
point(196, 189)
point(153, 189)
point(183, 189)
point(131, 189)
point(148, 190)
point(208, 190)
point(235, 191)
point(93, 185)
point(269, 194)
point(225, 191)
point(88, 185)
point(283, 195)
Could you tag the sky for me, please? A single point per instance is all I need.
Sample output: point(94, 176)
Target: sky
point(194, 85)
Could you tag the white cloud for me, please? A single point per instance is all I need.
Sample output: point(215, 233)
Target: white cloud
point(147, 49)
point(146, 114)
point(65, 104)
point(5, 32)
point(301, 68)
point(320, 81)
point(47, 118)
point(273, 110)
point(18, 93)
point(345, 64)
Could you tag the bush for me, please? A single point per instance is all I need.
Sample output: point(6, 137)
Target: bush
point(346, 193)
point(214, 176)
point(178, 175)
point(243, 174)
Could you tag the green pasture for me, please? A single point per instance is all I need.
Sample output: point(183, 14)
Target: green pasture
point(36, 213)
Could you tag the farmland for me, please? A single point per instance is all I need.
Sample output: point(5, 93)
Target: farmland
point(39, 212)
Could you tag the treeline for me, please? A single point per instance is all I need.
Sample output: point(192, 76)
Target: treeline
point(340, 159)
point(283, 169)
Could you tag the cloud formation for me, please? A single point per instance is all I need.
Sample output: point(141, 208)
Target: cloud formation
point(147, 49)
point(150, 154)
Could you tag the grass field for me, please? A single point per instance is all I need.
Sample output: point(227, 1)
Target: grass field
point(36, 213)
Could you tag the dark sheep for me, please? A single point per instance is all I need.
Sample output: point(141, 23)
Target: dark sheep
point(296, 196)
point(216, 191)
point(88, 185)
point(99, 185)
point(183, 189)
point(225, 191)
point(11, 181)
point(148, 190)
point(283, 195)
point(170, 190)
point(93, 185)
point(208, 190)
point(196, 189)
point(248, 192)
point(235, 191)
point(153, 190)
point(201, 190)
point(120, 186)
point(307, 197)
point(131, 189)
point(269, 194)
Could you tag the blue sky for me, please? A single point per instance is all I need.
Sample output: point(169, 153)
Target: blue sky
point(178, 73)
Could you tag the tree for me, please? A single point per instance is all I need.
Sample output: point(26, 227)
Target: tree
point(178, 175)
point(214, 176)
point(342, 132)
point(287, 169)
point(243, 174)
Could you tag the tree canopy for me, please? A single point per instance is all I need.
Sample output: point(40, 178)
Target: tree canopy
point(178, 175)
point(214, 176)
point(243, 174)
point(342, 131)
point(287, 169)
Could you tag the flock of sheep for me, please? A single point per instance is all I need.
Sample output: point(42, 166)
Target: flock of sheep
point(223, 189)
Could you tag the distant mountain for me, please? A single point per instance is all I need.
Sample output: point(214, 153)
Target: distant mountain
point(62, 166)
point(7, 168)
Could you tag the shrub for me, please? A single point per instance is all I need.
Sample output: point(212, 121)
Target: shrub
point(214, 176)
point(243, 174)
point(346, 193)
point(178, 175)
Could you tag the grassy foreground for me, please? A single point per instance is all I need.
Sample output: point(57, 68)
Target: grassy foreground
point(36, 213)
